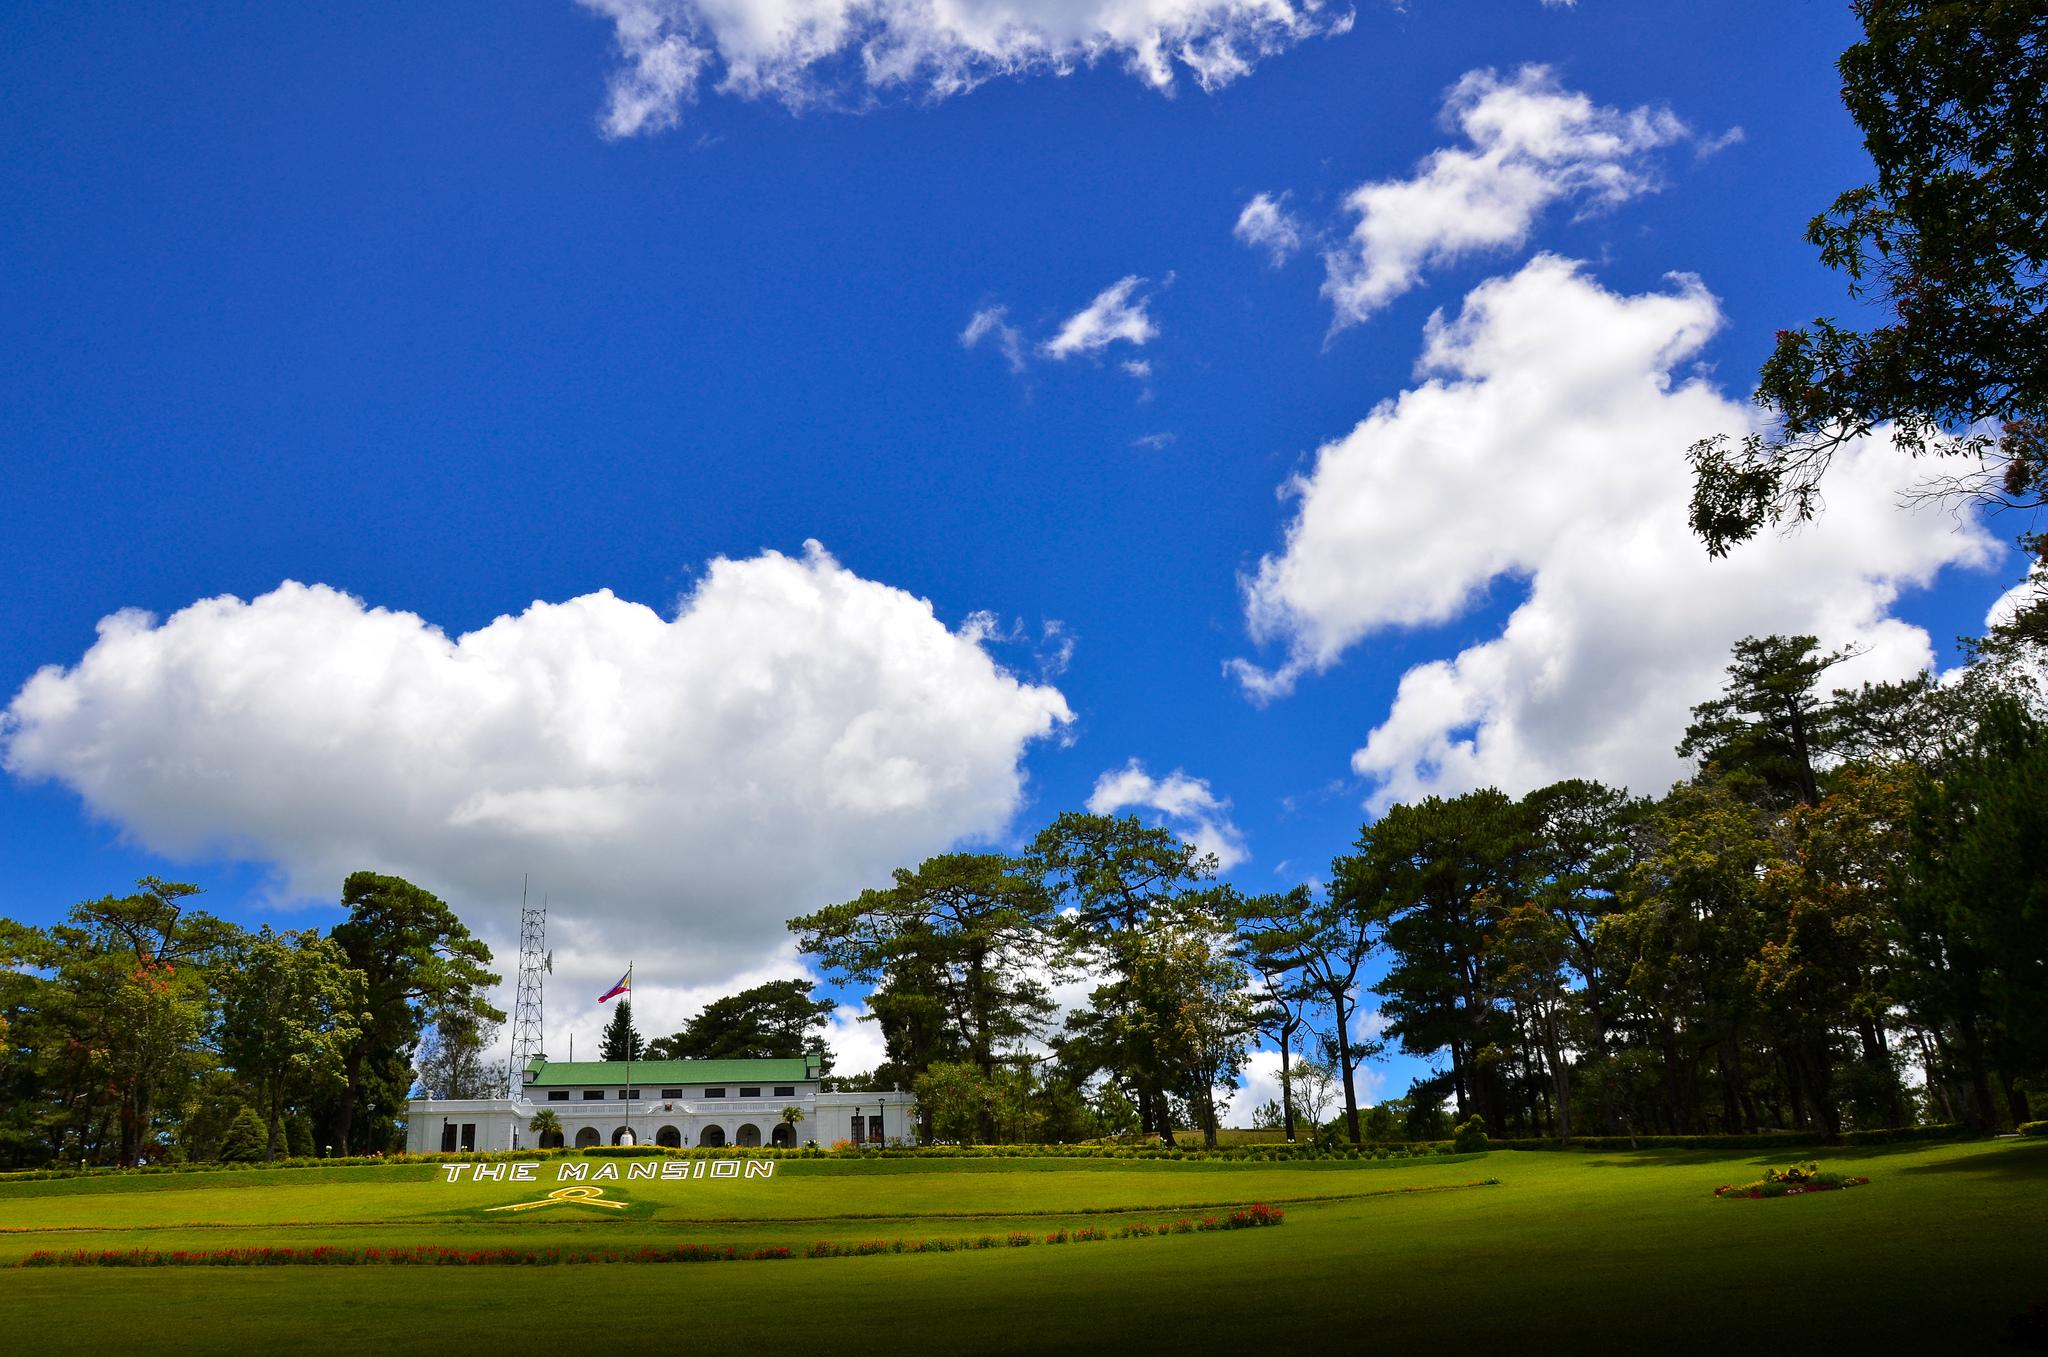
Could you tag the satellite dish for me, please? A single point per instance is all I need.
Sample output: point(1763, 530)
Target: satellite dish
point(548, 963)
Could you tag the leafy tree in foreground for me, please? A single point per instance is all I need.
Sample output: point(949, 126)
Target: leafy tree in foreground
point(961, 948)
point(1974, 910)
point(1120, 881)
point(131, 1000)
point(291, 1008)
point(419, 965)
point(1950, 243)
point(778, 1020)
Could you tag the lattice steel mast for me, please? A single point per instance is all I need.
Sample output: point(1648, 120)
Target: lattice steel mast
point(534, 959)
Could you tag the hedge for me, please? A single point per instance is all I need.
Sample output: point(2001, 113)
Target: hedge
point(1766, 1140)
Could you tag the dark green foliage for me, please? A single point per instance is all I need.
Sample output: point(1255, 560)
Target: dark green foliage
point(419, 963)
point(1768, 733)
point(1949, 245)
point(778, 1020)
point(960, 950)
point(1470, 1136)
point(622, 1040)
point(247, 1139)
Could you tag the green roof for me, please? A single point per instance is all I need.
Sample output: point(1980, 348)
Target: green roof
point(556, 1073)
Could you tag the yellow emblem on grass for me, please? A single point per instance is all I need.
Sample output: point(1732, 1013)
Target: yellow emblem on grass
point(567, 1196)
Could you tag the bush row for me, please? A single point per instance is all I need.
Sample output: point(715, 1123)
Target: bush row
point(1257, 1216)
point(2033, 1128)
point(1768, 1140)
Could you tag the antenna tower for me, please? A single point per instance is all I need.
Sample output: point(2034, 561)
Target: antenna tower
point(534, 958)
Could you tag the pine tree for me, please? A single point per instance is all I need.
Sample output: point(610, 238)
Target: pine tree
point(622, 1041)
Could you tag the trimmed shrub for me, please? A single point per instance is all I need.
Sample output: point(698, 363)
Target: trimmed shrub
point(1470, 1137)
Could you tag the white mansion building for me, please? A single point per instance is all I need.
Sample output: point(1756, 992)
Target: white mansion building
point(677, 1103)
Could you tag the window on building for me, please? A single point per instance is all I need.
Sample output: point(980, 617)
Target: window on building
point(593, 1095)
point(468, 1136)
point(859, 1129)
point(447, 1137)
point(714, 1093)
point(629, 1093)
point(750, 1093)
point(785, 1090)
point(560, 1095)
point(671, 1093)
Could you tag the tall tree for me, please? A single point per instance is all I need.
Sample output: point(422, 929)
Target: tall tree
point(1117, 879)
point(419, 964)
point(291, 1007)
point(1771, 727)
point(1974, 908)
point(621, 1039)
point(1275, 933)
point(1949, 245)
point(1342, 935)
point(1189, 1017)
point(1427, 874)
point(133, 995)
point(453, 1058)
point(776, 1020)
point(961, 948)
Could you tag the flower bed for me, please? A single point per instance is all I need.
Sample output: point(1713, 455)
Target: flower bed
point(1256, 1216)
point(1792, 1181)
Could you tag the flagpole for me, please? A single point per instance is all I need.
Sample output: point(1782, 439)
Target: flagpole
point(629, 1059)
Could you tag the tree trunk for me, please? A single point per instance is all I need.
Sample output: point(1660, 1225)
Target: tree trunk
point(1286, 1088)
point(1342, 1011)
point(345, 1120)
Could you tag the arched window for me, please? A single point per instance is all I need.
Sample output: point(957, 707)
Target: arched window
point(588, 1137)
point(785, 1135)
point(668, 1137)
point(749, 1136)
point(713, 1136)
point(622, 1136)
point(551, 1140)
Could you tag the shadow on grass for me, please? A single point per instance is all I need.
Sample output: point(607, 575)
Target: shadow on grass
point(1666, 1159)
point(2004, 1160)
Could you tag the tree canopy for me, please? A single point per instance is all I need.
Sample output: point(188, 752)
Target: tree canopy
point(1949, 243)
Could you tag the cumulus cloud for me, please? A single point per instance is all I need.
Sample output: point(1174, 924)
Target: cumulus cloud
point(1118, 314)
point(1542, 455)
point(805, 52)
point(678, 785)
point(992, 323)
point(1266, 225)
point(1529, 144)
point(1186, 804)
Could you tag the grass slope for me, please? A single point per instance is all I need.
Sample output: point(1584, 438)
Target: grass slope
point(1572, 1252)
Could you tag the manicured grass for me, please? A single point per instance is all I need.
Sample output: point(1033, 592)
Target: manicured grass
point(1572, 1252)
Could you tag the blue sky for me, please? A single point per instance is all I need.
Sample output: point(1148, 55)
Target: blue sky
point(447, 310)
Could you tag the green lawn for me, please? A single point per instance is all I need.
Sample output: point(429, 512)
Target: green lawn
point(1570, 1252)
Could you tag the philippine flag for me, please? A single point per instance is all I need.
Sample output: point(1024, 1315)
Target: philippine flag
point(625, 985)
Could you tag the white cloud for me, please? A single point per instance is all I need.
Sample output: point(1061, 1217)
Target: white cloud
point(855, 1039)
point(804, 52)
point(1113, 316)
point(1530, 143)
point(993, 322)
point(1187, 804)
point(1266, 225)
point(678, 786)
point(1544, 451)
point(1155, 442)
